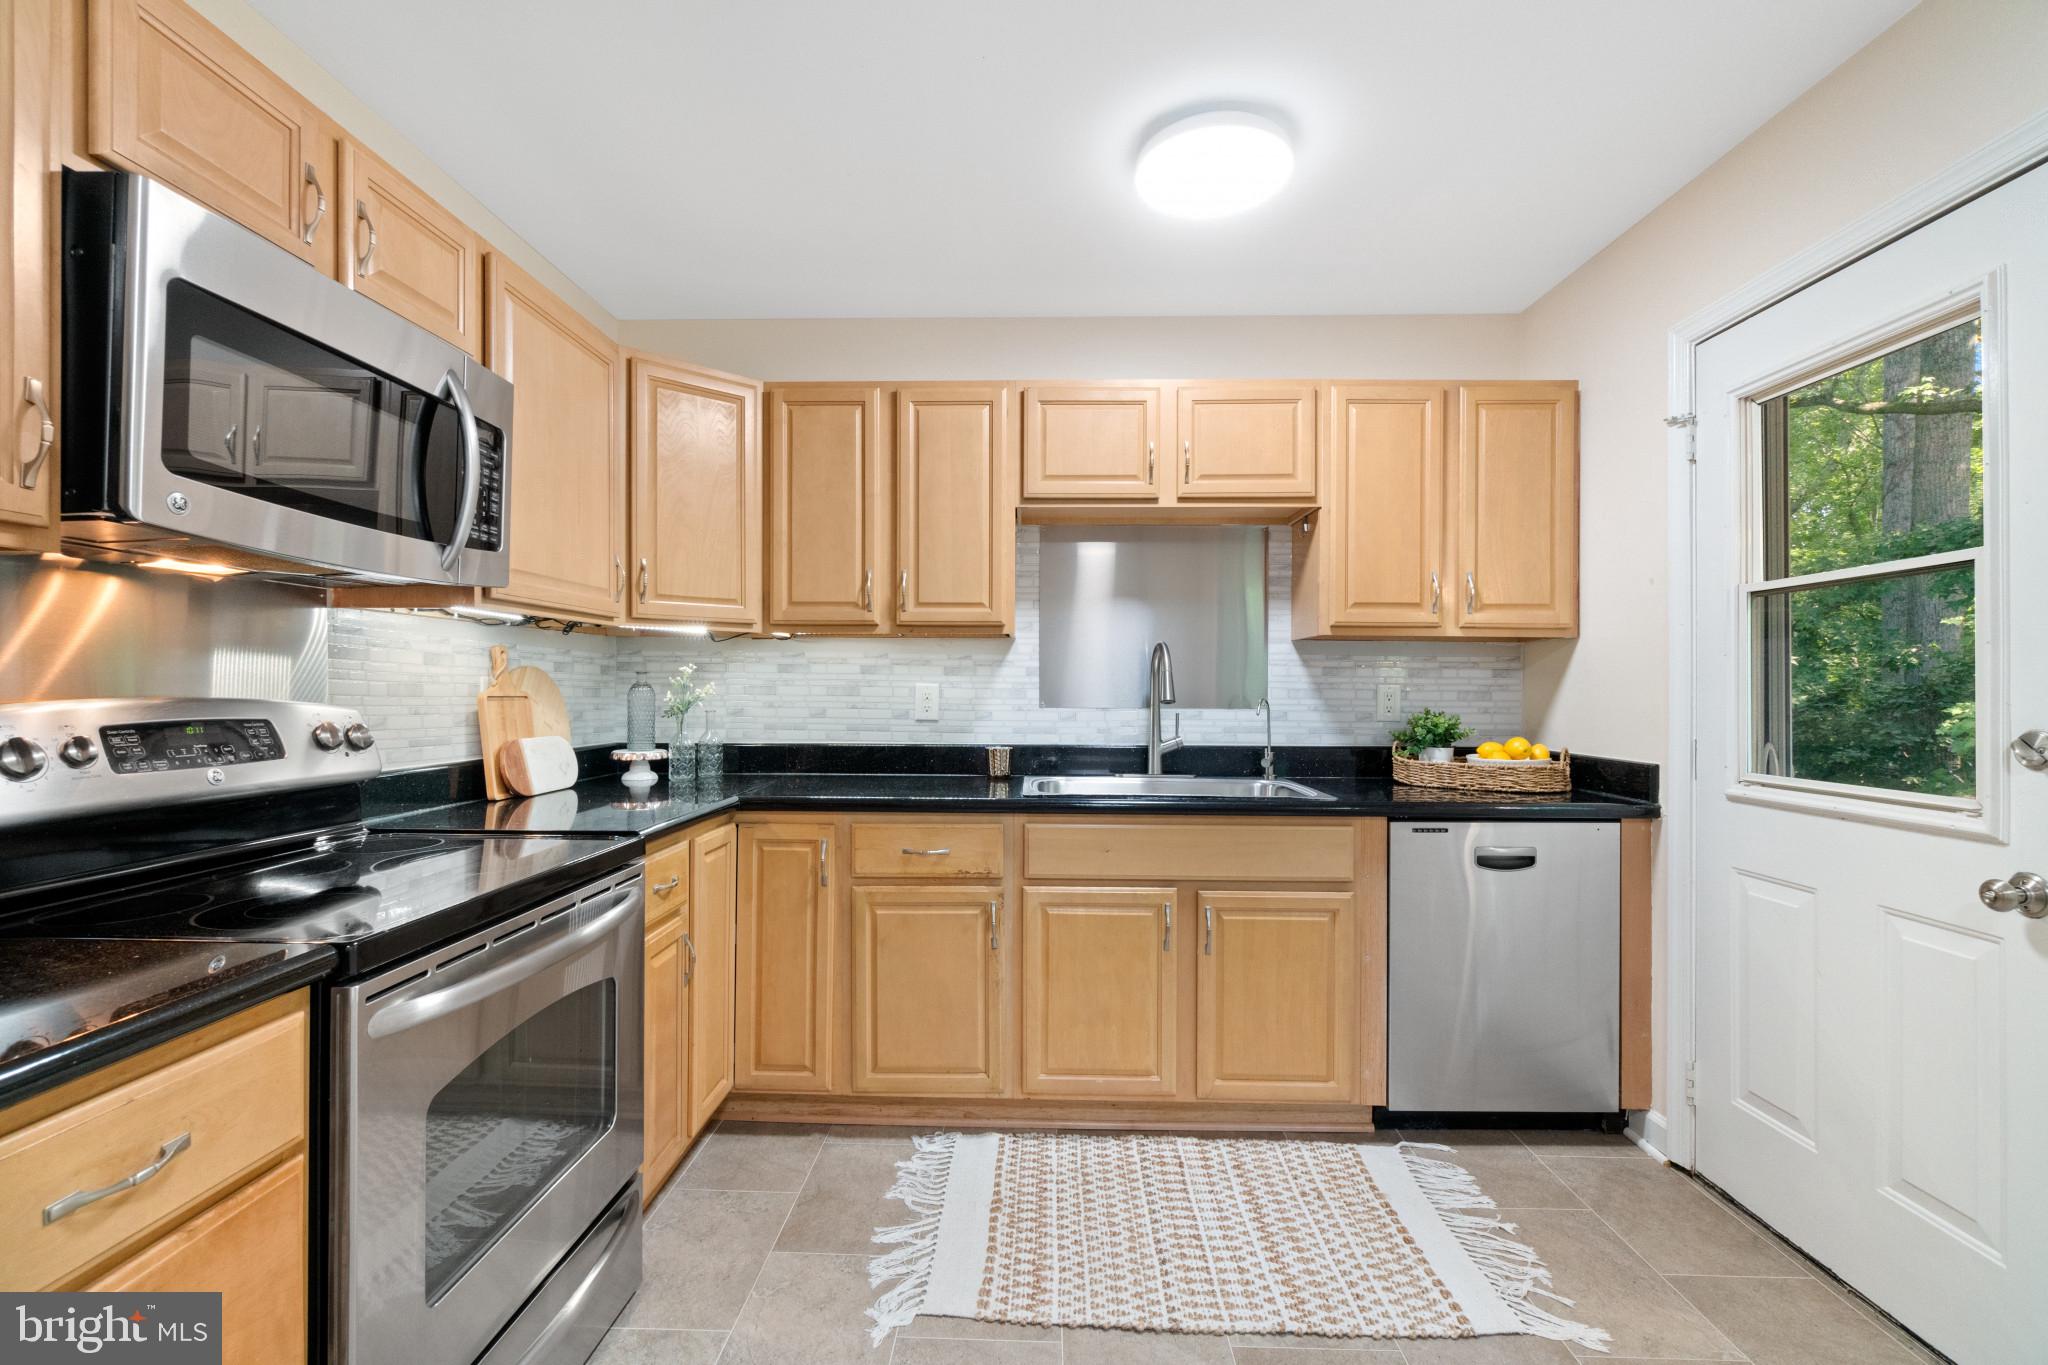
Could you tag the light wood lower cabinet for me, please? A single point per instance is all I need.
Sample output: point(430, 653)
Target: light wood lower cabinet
point(251, 1250)
point(1100, 981)
point(1276, 996)
point(927, 987)
point(665, 1055)
point(786, 1025)
point(714, 925)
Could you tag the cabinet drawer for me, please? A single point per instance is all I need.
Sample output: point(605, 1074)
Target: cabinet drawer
point(667, 880)
point(937, 850)
point(239, 1103)
point(1253, 849)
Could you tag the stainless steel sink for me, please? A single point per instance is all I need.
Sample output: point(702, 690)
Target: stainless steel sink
point(1137, 784)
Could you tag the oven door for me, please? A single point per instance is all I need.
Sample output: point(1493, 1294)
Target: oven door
point(489, 1111)
point(259, 404)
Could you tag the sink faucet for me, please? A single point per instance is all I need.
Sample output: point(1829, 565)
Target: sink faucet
point(1266, 757)
point(1161, 693)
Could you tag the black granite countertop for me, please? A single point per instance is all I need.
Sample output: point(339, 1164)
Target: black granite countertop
point(71, 1005)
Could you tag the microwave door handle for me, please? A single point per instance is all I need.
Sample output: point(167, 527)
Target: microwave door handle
point(472, 470)
point(430, 999)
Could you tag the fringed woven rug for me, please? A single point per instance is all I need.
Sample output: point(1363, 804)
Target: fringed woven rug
point(1182, 1234)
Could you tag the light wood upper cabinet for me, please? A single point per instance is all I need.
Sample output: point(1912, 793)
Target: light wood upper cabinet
point(407, 252)
point(567, 518)
point(28, 277)
point(664, 1056)
point(1277, 997)
point(827, 506)
point(714, 925)
point(170, 96)
point(696, 475)
point(926, 990)
point(1100, 980)
point(784, 1001)
point(1377, 555)
point(1091, 443)
point(1517, 507)
point(1246, 441)
point(956, 498)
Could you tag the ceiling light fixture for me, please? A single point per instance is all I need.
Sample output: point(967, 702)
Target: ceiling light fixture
point(1214, 164)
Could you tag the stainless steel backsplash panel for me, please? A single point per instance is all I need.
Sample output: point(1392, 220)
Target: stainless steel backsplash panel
point(1107, 593)
point(102, 630)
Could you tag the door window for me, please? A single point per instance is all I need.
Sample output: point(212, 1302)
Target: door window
point(1862, 600)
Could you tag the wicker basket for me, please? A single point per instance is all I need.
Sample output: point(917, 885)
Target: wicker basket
point(1460, 776)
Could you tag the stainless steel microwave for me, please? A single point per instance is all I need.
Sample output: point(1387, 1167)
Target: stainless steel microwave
point(219, 390)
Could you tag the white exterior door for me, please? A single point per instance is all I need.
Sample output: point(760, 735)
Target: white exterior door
point(1872, 634)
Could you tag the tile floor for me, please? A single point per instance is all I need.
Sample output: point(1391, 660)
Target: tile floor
point(756, 1254)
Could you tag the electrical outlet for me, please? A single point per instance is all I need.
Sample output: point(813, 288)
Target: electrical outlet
point(925, 701)
point(1387, 702)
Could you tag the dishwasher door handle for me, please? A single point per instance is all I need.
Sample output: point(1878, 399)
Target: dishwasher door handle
point(1502, 858)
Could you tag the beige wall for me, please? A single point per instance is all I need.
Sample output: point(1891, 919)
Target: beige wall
point(1473, 347)
point(268, 45)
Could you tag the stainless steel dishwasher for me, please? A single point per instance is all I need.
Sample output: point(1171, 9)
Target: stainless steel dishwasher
point(1504, 964)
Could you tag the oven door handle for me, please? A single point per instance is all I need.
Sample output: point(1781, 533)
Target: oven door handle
point(433, 999)
point(472, 470)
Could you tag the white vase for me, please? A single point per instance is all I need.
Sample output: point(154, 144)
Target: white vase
point(1442, 753)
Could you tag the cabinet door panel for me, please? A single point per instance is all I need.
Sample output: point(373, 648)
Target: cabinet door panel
point(567, 513)
point(1091, 443)
point(785, 1033)
point(1518, 508)
point(251, 1250)
point(714, 921)
point(1386, 501)
point(28, 274)
point(926, 983)
point(1277, 997)
point(408, 253)
point(696, 496)
point(956, 532)
point(665, 1062)
point(825, 498)
point(1247, 440)
point(171, 97)
point(1100, 987)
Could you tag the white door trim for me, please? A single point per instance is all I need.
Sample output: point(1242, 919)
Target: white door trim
point(1670, 1130)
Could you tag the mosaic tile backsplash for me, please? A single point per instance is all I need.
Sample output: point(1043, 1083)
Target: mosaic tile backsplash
point(416, 678)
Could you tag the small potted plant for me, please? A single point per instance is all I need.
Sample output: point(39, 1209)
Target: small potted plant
point(1430, 736)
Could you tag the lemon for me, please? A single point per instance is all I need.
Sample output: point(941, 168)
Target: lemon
point(1539, 752)
point(1492, 749)
point(1517, 747)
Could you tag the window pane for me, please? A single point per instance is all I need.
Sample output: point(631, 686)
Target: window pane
point(1880, 462)
point(513, 1120)
point(1872, 683)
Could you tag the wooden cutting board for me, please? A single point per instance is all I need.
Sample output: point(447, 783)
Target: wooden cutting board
point(518, 703)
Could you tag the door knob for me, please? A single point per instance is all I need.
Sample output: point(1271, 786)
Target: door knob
point(2026, 892)
point(2031, 749)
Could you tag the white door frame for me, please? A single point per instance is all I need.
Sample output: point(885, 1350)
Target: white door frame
point(1670, 1130)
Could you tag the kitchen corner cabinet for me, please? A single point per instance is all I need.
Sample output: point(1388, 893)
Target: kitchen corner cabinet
point(407, 252)
point(1246, 441)
point(567, 512)
point(927, 990)
point(1518, 508)
point(714, 926)
point(1091, 443)
point(786, 1030)
point(696, 496)
point(828, 509)
point(1277, 981)
point(1100, 977)
point(30, 57)
point(170, 96)
point(956, 499)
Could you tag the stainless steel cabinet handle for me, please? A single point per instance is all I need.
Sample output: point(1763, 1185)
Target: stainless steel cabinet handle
point(366, 264)
point(1166, 944)
point(671, 884)
point(72, 1203)
point(824, 859)
point(2031, 748)
point(903, 591)
point(1208, 931)
point(319, 205)
point(472, 469)
point(1504, 859)
point(1471, 595)
point(643, 578)
point(1151, 459)
point(2026, 892)
point(618, 578)
point(867, 590)
point(1436, 594)
point(32, 465)
point(927, 852)
point(1187, 461)
point(995, 925)
point(227, 440)
point(689, 963)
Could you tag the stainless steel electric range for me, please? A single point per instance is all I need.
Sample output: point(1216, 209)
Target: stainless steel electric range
point(482, 1029)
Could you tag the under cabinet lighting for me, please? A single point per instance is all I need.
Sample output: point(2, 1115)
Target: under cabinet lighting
point(1214, 164)
point(674, 630)
point(201, 568)
point(485, 614)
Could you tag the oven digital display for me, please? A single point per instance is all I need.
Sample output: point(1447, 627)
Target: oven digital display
point(172, 745)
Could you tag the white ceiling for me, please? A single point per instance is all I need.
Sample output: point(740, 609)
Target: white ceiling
point(964, 158)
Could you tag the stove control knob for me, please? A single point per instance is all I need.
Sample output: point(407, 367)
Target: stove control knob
point(21, 758)
point(327, 735)
point(359, 736)
point(79, 752)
